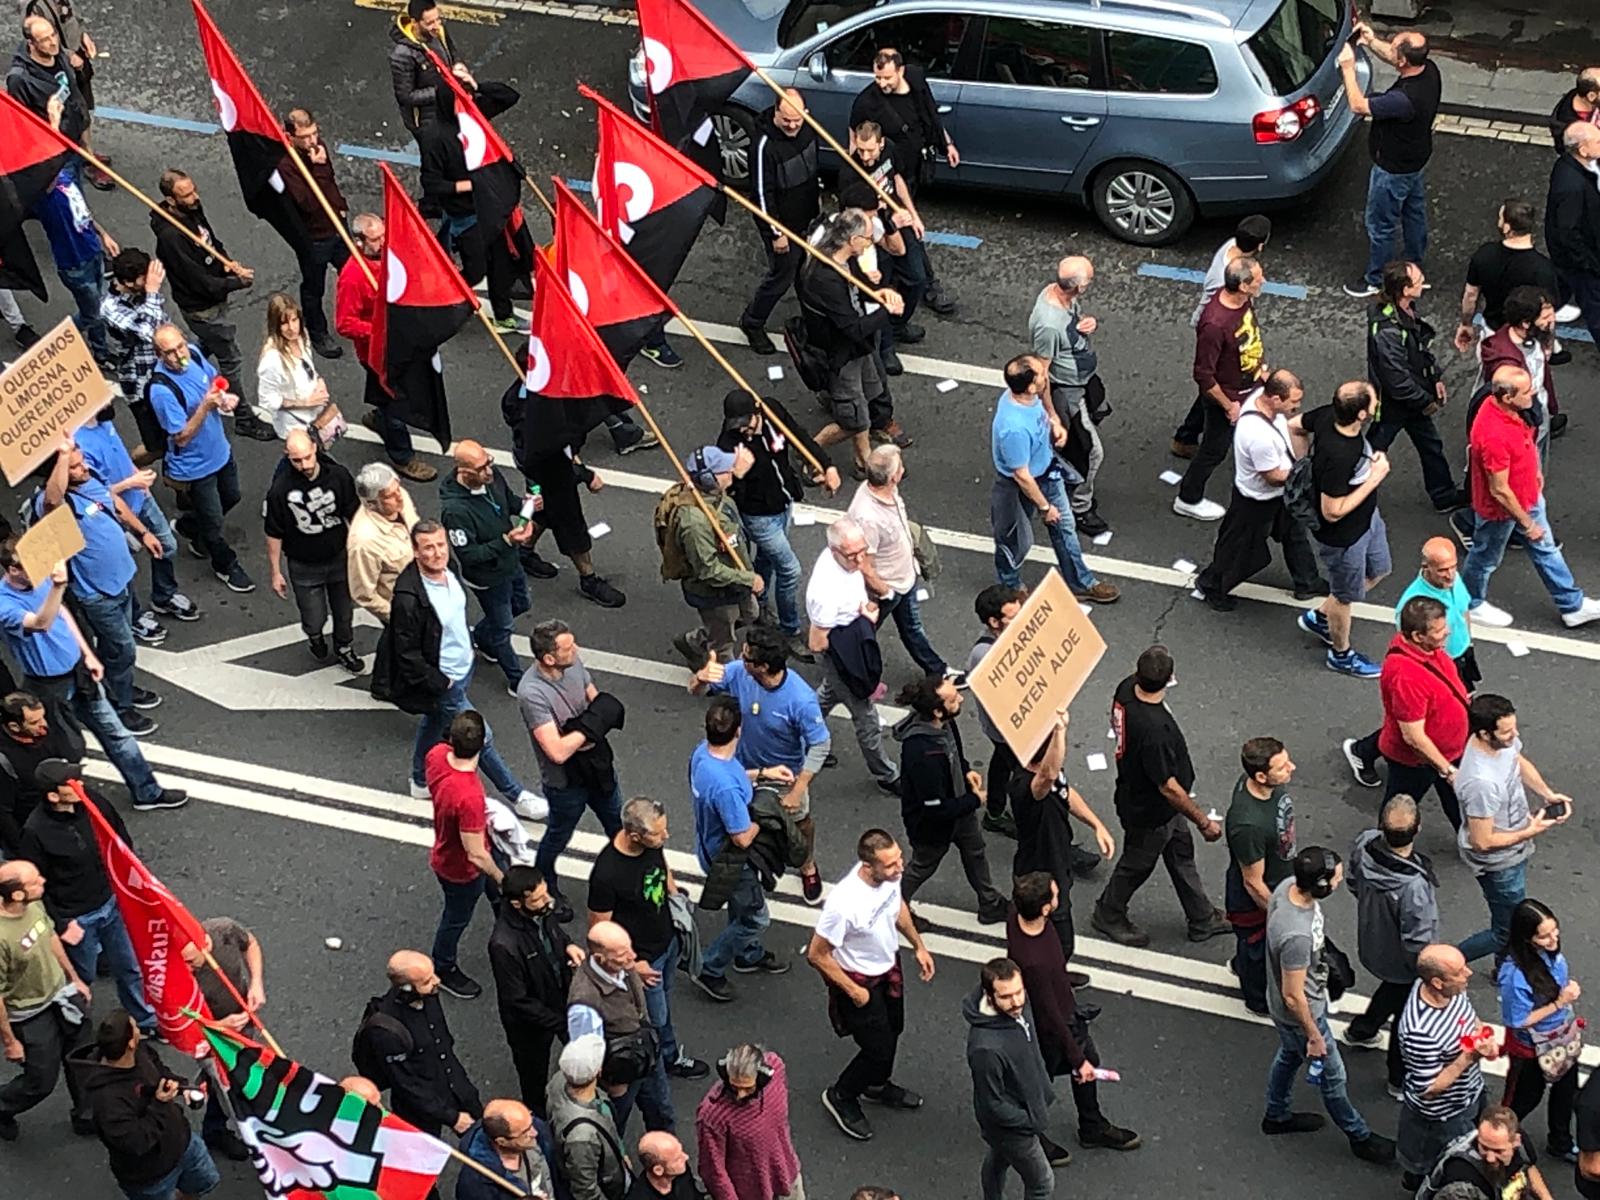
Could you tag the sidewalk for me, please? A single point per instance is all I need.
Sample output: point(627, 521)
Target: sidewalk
point(1507, 58)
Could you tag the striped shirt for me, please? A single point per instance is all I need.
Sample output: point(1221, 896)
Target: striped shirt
point(1430, 1040)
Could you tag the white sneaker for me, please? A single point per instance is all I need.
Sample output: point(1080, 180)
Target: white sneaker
point(1489, 614)
point(1204, 510)
point(419, 791)
point(1568, 313)
point(1588, 611)
point(531, 806)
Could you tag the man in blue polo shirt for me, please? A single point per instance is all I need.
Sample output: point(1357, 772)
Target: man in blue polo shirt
point(59, 667)
point(188, 404)
point(721, 787)
point(102, 576)
point(781, 726)
point(79, 246)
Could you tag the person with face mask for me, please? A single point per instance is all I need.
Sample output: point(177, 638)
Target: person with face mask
point(1397, 914)
point(532, 960)
point(1526, 339)
point(742, 1126)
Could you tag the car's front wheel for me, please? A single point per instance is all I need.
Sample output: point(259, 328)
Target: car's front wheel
point(736, 132)
point(1141, 202)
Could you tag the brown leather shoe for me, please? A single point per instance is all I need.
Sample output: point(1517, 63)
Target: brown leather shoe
point(1182, 449)
point(899, 436)
point(1100, 593)
point(417, 471)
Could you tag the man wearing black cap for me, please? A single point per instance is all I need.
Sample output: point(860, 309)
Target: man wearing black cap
point(719, 586)
point(765, 496)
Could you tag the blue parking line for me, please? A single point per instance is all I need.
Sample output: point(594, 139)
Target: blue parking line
point(404, 157)
point(579, 185)
point(1293, 291)
point(965, 241)
point(139, 118)
point(1574, 333)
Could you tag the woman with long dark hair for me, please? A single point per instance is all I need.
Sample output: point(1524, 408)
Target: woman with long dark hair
point(1542, 1035)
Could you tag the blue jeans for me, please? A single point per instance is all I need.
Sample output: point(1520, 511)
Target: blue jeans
point(1503, 891)
point(211, 498)
point(566, 810)
point(777, 565)
point(104, 933)
point(431, 730)
point(1009, 556)
point(741, 940)
point(906, 610)
point(1395, 202)
point(195, 1175)
point(87, 283)
point(460, 902)
point(653, 1095)
point(658, 1000)
point(163, 570)
point(1286, 1066)
point(1489, 540)
point(502, 604)
point(77, 709)
point(110, 622)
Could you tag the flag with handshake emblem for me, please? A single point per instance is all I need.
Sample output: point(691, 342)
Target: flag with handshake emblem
point(310, 1139)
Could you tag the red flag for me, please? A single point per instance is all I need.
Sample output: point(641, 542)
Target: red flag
point(622, 303)
point(496, 177)
point(691, 69)
point(422, 303)
point(31, 156)
point(159, 926)
point(573, 383)
point(647, 195)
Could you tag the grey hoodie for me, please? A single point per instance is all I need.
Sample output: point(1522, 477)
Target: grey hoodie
point(590, 1157)
point(1011, 1092)
point(1397, 906)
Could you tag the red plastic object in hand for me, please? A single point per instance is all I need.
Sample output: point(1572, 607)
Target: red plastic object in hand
point(220, 383)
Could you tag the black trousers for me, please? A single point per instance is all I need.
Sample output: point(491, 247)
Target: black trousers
point(1410, 780)
point(1384, 1006)
point(46, 1039)
point(1250, 965)
point(1216, 439)
point(1086, 1096)
point(1171, 843)
point(1241, 547)
point(1002, 763)
point(967, 837)
point(875, 1028)
point(775, 284)
point(1437, 477)
point(530, 1055)
point(1194, 421)
point(1525, 1087)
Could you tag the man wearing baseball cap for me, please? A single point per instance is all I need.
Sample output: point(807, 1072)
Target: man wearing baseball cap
point(720, 587)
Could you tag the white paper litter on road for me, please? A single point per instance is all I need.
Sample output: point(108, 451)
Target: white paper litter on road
point(1184, 567)
point(1517, 649)
point(1102, 539)
point(922, 595)
point(599, 529)
point(774, 372)
point(1172, 478)
point(1111, 734)
point(1097, 762)
point(947, 385)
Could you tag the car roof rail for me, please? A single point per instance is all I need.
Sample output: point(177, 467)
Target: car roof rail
point(1175, 8)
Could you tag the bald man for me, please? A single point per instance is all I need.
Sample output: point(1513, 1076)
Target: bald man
point(1443, 1090)
point(37, 75)
point(663, 1170)
point(487, 524)
point(1400, 140)
point(1061, 333)
point(306, 519)
point(404, 1044)
point(1572, 220)
point(787, 187)
point(608, 987)
point(505, 1142)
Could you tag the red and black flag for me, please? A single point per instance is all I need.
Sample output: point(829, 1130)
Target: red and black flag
point(609, 288)
point(31, 156)
point(255, 136)
point(422, 303)
point(647, 195)
point(573, 382)
point(691, 69)
point(496, 177)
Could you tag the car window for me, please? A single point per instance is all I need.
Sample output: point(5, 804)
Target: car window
point(931, 40)
point(1142, 63)
point(1036, 54)
point(1296, 41)
point(805, 19)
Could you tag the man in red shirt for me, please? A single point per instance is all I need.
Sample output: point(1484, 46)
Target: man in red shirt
point(1424, 707)
point(354, 298)
point(460, 856)
point(1508, 496)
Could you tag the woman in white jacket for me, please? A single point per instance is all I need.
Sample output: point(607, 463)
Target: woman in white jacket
point(288, 388)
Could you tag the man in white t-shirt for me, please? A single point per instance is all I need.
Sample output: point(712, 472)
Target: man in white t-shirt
point(1264, 449)
point(856, 950)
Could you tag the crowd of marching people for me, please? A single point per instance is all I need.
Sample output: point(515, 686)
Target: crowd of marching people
point(586, 1003)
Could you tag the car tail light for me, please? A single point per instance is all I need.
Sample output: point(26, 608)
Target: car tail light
point(1285, 124)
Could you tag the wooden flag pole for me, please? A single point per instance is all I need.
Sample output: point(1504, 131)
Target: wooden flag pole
point(796, 240)
point(338, 221)
point(677, 464)
point(539, 192)
point(828, 137)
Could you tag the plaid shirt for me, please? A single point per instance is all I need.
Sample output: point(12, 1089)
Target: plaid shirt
point(131, 323)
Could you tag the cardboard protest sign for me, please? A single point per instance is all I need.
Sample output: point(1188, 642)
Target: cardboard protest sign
point(1037, 665)
point(44, 395)
point(54, 537)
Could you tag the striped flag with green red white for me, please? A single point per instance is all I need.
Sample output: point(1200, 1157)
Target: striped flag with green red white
point(312, 1140)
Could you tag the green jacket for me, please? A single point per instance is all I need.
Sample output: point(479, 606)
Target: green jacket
point(713, 579)
point(477, 523)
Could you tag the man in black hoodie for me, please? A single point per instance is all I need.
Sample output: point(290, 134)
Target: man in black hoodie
point(41, 69)
point(138, 1113)
point(1011, 1089)
point(1572, 220)
point(26, 739)
point(787, 187)
point(940, 795)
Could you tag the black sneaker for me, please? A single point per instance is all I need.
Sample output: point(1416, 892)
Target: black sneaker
point(1109, 1137)
point(892, 786)
point(563, 911)
point(596, 589)
point(459, 984)
point(848, 1115)
point(1078, 979)
point(992, 916)
point(892, 1095)
point(230, 1145)
point(84, 1127)
point(144, 699)
point(148, 631)
point(8, 1129)
point(892, 366)
point(237, 580)
point(1374, 1148)
point(830, 760)
point(1002, 823)
point(1300, 1122)
point(687, 1067)
point(1558, 421)
point(169, 798)
point(1119, 929)
point(327, 347)
point(1090, 524)
point(715, 987)
point(937, 300)
point(248, 425)
point(1215, 925)
point(350, 660)
point(138, 724)
point(1360, 289)
point(908, 334)
point(758, 339)
point(27, 335)
point(1464, 523)
point(536, 565)
point(768, 964)
point(180, 606)
point(1366, 773)
point(1081, 862)
point(1055, 1153)
point(663, 355)
point(1314, 592)
point(318, 647)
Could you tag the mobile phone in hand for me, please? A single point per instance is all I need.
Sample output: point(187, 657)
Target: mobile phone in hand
point(1555, 810)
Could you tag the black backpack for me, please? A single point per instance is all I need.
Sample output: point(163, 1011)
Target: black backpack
point(1300, 498)
point(366, 1056)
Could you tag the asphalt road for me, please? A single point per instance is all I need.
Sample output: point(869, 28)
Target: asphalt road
point(302, 828)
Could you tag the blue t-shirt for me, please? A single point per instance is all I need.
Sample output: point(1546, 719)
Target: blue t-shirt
point(721, 792)
point(779, 725)
point(1517, 998)
point(108, 457)
point(207, 452)
point(104, 567)
point(52, 652)
point(1020, 436)
point(1455, 601)
point(64, 213)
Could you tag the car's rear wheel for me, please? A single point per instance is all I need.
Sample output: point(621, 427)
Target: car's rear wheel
point(736, 131)
point(1141, 202)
